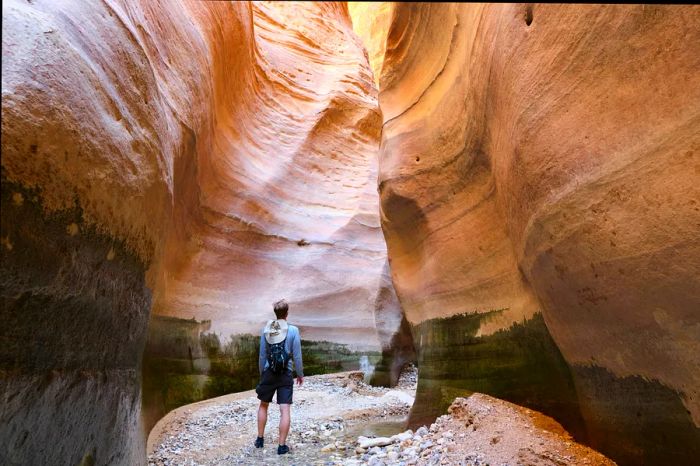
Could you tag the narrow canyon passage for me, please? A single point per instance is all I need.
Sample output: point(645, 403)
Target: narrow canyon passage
point(504, 194)
point(289, 209)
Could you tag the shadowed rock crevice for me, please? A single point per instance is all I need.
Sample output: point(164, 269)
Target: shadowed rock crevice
point(394, 334)
point(399, 352)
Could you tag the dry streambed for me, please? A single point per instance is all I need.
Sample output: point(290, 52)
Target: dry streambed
point(337, 419)
point(327, 412)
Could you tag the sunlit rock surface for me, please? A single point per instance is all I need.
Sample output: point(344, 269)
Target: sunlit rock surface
point(203, 161)
point(543, 159)
point(370, 21)
point(289, 205)
point(288, 195)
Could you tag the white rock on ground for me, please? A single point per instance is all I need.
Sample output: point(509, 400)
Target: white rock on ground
point(400, 396)
point(365, 442)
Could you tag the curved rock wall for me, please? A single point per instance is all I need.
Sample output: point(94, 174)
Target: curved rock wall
point(538, 195)
point(204, 160)
point(288, 194)
point(104, 125)
point(543, 159)
point(288, 208)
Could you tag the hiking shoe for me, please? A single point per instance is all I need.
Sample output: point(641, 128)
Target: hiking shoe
point(282, 449)
point(259, 442)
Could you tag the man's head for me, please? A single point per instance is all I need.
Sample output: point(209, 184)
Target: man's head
point(281, 309)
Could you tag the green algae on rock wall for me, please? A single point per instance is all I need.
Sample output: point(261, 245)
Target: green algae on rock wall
point(185, 363)
point(74, 313)
point(520, 364)
point(325, 357)
point(631, 419)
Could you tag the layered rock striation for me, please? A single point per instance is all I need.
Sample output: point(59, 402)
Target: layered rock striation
point(287, 196)
point(538, 181)
point(288, 207)
point(538, 192)
point(202, 161)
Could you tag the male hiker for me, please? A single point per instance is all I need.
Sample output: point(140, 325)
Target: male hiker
point(278, 342)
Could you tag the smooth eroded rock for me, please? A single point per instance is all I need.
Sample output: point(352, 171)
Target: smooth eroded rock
point(543, 158)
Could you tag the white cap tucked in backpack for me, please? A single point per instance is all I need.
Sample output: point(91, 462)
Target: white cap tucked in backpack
point(275, 331)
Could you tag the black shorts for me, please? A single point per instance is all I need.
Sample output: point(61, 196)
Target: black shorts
point(283, 384)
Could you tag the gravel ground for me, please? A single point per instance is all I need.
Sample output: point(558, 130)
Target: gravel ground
point(480, 431)
point(221, 431)
point(339, 420)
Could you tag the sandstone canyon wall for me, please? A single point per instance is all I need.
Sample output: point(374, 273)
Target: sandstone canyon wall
point(538, 190)
point(202, 160)
point(289, 209)
point(540, 201)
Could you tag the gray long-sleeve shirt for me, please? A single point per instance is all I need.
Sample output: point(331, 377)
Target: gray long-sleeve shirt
point(293, 347)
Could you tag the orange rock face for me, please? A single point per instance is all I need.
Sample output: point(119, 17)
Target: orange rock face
point(288, 203)
point(288, 206)
point(538, 187)
point(544, 159)
point(203, 161)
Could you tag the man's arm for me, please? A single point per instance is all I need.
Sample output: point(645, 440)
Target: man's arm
point(263, 353)
point(296, 354)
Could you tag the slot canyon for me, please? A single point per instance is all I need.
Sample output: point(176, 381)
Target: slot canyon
point(505, 195)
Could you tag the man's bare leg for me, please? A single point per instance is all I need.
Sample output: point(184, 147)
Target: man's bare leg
point(262, 418)
point(284, 423)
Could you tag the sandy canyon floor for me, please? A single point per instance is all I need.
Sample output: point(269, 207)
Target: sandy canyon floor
point(337, 419)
